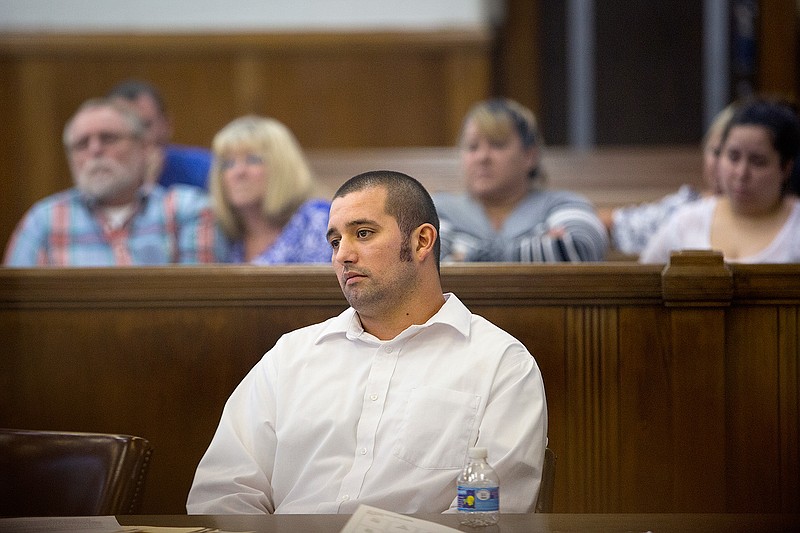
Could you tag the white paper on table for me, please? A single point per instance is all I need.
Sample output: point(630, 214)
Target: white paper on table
point(368, 519)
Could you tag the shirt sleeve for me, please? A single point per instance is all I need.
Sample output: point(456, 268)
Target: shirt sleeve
point(570, 233)
point(26, 246)
point(633, 225)
point(661, 244)
point(234, 476)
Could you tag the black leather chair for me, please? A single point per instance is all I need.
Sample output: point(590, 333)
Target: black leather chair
point(56, 473)
point(544, 503)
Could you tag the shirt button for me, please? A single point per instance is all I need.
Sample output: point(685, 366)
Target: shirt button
point(345, 498)
point(363, 451)
point(373, 397)
point(388, 349)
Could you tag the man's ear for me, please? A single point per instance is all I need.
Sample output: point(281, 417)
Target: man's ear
point(425, 237)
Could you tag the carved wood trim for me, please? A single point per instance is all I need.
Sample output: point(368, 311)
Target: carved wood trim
point(697, 278)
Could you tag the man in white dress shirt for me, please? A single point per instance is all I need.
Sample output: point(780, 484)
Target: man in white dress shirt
point(380, 404)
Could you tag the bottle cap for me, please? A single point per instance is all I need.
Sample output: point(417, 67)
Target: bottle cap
point(476, 453)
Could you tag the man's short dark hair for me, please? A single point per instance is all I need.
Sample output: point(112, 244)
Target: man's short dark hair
point(406, 200)
point(133, 89)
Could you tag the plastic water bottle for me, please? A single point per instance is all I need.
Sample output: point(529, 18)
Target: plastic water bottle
point(478, 491)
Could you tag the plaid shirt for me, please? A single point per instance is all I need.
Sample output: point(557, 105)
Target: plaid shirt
point(172, 225)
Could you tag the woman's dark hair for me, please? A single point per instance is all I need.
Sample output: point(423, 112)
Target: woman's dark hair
point(781, 120)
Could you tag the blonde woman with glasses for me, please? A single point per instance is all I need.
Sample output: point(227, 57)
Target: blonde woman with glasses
point(262, 194)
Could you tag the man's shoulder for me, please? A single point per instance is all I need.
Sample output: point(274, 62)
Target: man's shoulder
point(181, 152)
point(483, 326)
point(179, 198)
point(181, 191)
point(319, 331)
point(185, 164)
point(61, 198)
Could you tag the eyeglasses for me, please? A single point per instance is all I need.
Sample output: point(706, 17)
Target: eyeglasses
point(107, 139)
point(249, 160)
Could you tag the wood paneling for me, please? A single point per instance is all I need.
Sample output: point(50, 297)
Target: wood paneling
point(778, 44)
point(655, 405)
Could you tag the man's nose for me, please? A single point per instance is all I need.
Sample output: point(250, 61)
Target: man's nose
point(345, 252)
point(95, 145)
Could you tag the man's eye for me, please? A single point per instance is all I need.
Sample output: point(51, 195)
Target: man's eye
point(363, 233)
point(334, 243)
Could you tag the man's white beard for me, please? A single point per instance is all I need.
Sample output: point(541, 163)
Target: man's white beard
point(105, 180)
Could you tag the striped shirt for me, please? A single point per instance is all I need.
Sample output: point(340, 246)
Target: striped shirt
point(547, 226)
point(172, 225)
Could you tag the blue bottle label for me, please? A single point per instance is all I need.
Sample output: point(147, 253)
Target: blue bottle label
point(481, 499)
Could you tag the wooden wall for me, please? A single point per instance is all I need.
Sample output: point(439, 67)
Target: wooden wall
point(673, 390)
point(334, 90)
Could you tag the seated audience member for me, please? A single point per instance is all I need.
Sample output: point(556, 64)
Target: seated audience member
point(380, 404)
point(757, 218)
point(261, 186)
point(109, 217)
point(630, 227)
point(171, 163)
point(506, 213)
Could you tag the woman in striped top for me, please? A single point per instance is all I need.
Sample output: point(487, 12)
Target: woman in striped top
point(506, 214)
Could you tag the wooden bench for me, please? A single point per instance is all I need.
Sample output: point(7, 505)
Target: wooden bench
point(608, 176)
point(669, 390)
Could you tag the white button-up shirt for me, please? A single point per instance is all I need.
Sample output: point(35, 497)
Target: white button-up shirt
point(333, 417)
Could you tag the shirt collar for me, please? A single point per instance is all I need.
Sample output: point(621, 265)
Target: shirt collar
point(453, 314)
point(142, 195)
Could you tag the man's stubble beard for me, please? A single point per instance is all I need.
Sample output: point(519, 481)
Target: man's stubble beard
point(372, 298)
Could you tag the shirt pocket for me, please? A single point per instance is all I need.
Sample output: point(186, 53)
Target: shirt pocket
point(436, 428)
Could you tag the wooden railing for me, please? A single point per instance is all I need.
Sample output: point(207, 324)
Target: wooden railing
point(669, 389)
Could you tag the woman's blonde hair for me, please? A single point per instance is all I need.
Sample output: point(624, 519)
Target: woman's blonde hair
point(717, 127)
point(290, 181)
point(499, 118)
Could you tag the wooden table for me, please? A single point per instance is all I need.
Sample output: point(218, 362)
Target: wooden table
point(511, 523)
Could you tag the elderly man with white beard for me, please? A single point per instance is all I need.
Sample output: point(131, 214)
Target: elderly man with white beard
point(112, 216)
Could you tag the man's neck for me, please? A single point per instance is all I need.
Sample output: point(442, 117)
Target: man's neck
point(388, 325)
